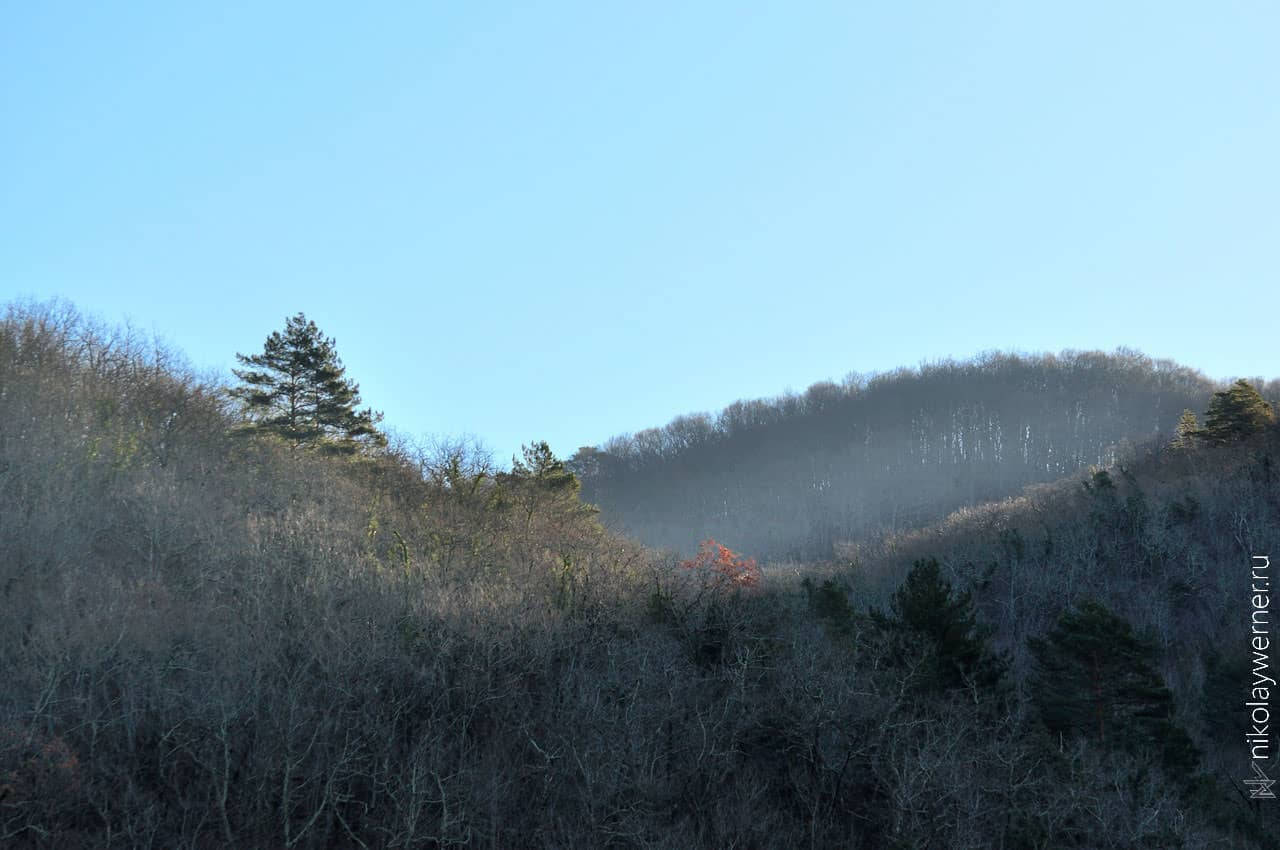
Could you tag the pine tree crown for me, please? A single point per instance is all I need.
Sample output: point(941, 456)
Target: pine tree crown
point(297, 390)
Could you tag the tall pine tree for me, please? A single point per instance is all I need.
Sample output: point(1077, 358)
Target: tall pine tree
point(297, 390)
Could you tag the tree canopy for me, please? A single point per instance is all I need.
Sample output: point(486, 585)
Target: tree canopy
point(1098, 679)
point(541, 465)
point(297, 390)
point(1187, 431)
point(1236, 413)
point(926, 607)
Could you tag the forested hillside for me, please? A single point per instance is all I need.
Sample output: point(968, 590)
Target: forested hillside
point(792, 475)
point(1166, 541)
point(224, 628)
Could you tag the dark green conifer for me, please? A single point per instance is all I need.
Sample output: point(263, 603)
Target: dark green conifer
point(1097, 679)
point(542, 466)
point(296, 390)
point(926, 607)
point(1236, 413)
point(829, 604)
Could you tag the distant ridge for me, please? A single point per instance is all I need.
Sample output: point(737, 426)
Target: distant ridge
point(788, 476)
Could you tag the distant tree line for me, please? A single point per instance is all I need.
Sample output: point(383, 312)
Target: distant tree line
point(792, 475)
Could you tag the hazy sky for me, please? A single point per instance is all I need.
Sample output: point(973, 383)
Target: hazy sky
point(569, 220)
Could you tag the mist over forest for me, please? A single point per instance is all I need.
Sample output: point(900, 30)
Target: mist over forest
point(1000, 602)
point(791, 476)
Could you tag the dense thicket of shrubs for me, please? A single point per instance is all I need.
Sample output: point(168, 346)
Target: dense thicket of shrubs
point(209, 640)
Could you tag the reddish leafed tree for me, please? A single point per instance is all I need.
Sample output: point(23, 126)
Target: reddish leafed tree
point(723, 561)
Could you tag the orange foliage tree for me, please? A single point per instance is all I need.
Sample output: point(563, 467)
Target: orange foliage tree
point(724, 562)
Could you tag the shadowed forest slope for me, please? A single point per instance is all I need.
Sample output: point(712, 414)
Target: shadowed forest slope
point(1167, 541)
point(792, 475)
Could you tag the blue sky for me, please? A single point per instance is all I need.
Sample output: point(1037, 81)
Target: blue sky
point(565, 221)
